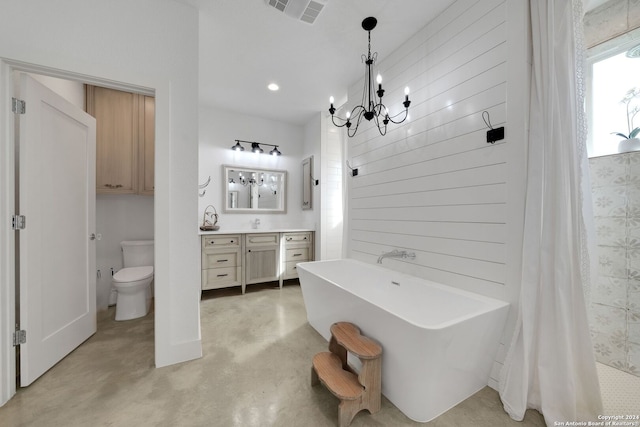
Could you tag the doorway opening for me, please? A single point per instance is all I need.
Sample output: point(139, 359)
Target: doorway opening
point(118, 216)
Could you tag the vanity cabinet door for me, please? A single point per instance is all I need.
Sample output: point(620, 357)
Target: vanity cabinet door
point(262, 257)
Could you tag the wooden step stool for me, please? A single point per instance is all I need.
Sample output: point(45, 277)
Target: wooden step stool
point(355, 391)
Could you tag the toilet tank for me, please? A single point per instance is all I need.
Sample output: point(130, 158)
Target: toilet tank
point(137, 253)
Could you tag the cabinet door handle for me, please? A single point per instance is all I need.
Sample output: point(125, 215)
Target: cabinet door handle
point(222, 275)
point(232, 241)
point(289, 239)
point(297, 254)
point(222, 260)
point(249, 250)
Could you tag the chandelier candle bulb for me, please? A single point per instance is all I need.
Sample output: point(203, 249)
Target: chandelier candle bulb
point(380, 91)
point(406, 102)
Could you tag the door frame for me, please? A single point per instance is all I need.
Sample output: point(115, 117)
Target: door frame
point(8, 300)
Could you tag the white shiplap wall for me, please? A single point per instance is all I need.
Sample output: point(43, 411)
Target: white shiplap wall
point(433, 185)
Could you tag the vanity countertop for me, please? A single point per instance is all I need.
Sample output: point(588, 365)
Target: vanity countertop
point(255, 230)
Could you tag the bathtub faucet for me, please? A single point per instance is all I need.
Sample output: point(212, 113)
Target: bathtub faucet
point(396, 254)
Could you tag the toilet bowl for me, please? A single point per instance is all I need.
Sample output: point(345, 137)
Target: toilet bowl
point(133, 286)
point(133, 282)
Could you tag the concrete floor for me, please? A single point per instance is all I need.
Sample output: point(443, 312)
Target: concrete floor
point(255, 372)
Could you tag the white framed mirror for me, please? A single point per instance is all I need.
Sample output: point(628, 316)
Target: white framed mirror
point(254, 190)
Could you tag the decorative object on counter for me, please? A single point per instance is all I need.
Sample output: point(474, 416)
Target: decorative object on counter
point(207, 225)
point(203, 186)
point(631, 142)
point(374, 108)
point(255, 147)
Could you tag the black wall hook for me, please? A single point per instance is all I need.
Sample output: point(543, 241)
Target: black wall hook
point(493, 135)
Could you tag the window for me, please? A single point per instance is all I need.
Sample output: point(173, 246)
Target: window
point(614, 77)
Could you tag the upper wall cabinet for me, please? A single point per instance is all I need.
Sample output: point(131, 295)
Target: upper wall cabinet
point(125, 124)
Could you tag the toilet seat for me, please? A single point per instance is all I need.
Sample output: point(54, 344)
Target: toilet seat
point(133, 274)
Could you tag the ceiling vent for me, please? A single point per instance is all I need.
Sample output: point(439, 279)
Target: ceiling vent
point(304, 10)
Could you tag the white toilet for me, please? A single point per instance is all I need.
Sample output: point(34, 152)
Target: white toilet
point(133, 282)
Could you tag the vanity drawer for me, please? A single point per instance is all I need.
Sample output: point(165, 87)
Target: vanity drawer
point(290, 269)
point(220, 241)
point(297, 254)
point(220, 260)
point(297, 237)
point(262, 239)
point(214, 278)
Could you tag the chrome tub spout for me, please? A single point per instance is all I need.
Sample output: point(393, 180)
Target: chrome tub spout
point(396, 254)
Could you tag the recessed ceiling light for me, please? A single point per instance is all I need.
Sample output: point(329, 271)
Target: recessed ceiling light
point(273, 87)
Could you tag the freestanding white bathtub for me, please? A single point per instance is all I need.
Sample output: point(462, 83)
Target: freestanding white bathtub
point(438, 342)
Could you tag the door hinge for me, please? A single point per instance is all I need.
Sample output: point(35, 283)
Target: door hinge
point(18, 106)
point(19, 337)
point(19, 222)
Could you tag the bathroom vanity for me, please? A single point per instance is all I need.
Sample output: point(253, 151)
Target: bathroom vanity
point(243, 258)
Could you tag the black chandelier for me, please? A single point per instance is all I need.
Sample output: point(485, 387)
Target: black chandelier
point(371, 107)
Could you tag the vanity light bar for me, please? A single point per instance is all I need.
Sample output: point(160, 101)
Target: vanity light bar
point(255, 147)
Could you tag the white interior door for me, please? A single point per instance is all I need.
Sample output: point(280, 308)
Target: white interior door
point(57, 254)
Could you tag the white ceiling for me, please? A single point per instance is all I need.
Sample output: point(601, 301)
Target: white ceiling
point(246, 44)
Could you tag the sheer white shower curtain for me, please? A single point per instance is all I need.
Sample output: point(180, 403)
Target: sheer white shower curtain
point(550, 365)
